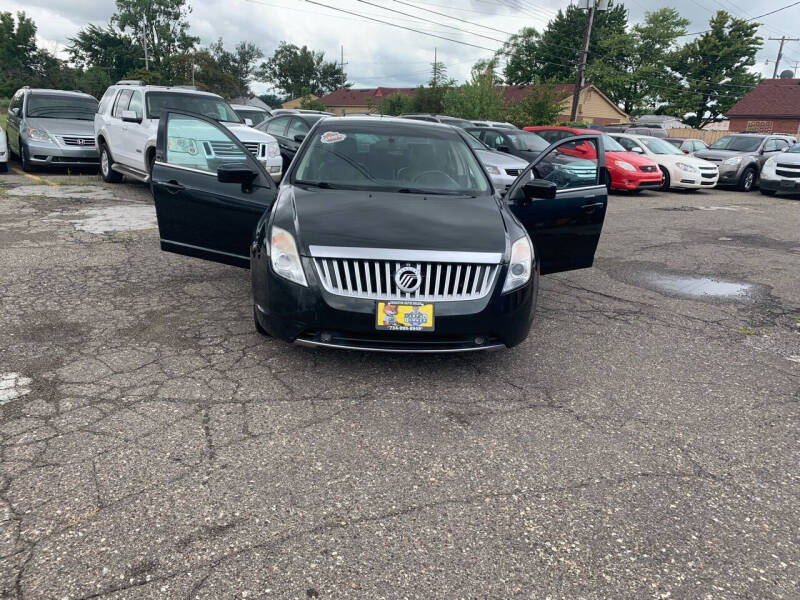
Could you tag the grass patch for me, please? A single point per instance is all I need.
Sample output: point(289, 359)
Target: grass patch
point(4, 112)
point(750, 331)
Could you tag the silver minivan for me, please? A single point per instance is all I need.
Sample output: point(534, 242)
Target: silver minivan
point(52, 128)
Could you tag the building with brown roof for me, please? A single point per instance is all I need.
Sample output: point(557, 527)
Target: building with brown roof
point(345, 101)
point(773, 106)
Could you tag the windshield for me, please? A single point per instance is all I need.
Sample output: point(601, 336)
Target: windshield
point(657, 146)
point(256, 116)
point(58, 106)
point(210, 106)
point(391, 159)
point(737, 143)
point(524, 140)
point(474, 143)
point(611, 145)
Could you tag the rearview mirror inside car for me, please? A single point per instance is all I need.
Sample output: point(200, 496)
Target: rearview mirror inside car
point(130, 116)
point(299, 137)
point(248, 122)
point(236, 173)
point(541, 189)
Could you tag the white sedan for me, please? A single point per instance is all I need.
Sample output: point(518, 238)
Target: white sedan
point(678, 169)
point(3, 152)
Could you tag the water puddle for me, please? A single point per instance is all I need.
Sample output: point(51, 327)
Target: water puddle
point(112, 219)
point(13, 386)
point(703, 288)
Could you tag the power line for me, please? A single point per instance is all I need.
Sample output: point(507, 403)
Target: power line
point(772, 12)
point(454, 18)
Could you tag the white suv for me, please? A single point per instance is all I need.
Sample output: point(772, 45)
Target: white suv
point(126, 125)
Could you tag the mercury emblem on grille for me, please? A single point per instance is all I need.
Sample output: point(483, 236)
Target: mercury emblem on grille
point(408, 279)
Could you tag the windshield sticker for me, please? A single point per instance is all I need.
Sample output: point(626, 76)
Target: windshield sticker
point(331, 137)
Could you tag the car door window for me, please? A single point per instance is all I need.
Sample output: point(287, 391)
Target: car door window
point(122, 102)
point(16, 101)
point(106, 100)
point(627, 143)
point(278, 126)
point(565, 169)
point(781, 145)
point(136, 104)
point(197, 144)
point(298, 127)
point(493, 140)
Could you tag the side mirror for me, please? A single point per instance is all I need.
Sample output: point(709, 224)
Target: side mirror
point(236, 173)
point(299, 137)
point(248, 122)
point(129, 116)
point(540, 189)
point(637, 149)
point(505, 149)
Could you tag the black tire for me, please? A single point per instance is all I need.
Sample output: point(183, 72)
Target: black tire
point(3, 167)
point(24, 159)
point(665, 180)
point(747, 180)
point(259, 328)
point(767, 192)
point(151, 159)
point(106, 172)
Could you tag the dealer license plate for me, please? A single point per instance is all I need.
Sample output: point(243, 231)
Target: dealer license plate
point(390, 316)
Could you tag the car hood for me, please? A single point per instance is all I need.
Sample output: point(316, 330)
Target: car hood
point(687, 159)
point(634, 158)
point(788, 158)
point(399, 221)
point(62, 126)
point(719, 155)
point(249, 134)
point(501, 159)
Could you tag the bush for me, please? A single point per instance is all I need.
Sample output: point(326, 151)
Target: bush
point(309, 103)
point(540, 107)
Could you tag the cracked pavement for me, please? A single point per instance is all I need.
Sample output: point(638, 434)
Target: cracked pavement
point(641, 444)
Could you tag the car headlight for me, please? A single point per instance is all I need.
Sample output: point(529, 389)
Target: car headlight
point(733, 160)
point(687, 168)
point(771, 162)
point(492, 170)
point(520, 265)
point(182, 145)
point(284, 256)
point(624, 165)
point(38, 135)
point(273, 150)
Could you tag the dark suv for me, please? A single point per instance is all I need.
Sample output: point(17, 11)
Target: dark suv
point(741, 156)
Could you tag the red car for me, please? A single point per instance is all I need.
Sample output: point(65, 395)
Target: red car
point(628, 171)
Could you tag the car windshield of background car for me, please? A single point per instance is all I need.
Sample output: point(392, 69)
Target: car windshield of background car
point(57, 106)
point(737, 143)
point(208, 106)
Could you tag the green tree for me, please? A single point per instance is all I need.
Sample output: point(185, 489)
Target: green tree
point(300, 71)
point(715, 69)
point(311, 103)
point(272, 100)
point(241, 63)
point(160, 25)
point(94, 81)
point(478, 99)
point(106, 48)
point(552, 55)
point(632, 67)
point(430, 98)
point(149, 77)
point(541, 106)
point(201, 69)
point(393, 104)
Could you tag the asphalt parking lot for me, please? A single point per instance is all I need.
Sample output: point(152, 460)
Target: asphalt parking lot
point(643, 443)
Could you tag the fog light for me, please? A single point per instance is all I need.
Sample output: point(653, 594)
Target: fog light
point(480, 340)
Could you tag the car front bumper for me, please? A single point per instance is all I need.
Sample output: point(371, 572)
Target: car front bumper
point(776, 183)
point(313, 317)
point(635, 180)
point(40, 153)
point(729, 174)
point(273, 166)
point(692, 181)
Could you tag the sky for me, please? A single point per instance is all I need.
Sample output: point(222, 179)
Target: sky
point(377, 54)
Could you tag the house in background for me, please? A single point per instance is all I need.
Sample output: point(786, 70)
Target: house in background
point(296, 102)
point(773, 106)
point(346, 101)
point(594, 106)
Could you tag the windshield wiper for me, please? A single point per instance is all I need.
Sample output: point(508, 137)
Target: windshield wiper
point(320, 184)
point(410, 190)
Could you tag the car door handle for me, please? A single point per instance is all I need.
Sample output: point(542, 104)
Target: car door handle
point(591, 206)
point(172, 186)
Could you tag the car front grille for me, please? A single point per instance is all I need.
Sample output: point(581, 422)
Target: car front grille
point(648, 168)
point(80, 141)
point(374, 279)
point(787, 170)
point(709, 172)
point(231, 150)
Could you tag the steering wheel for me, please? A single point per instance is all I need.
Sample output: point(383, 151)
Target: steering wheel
point(439, 174)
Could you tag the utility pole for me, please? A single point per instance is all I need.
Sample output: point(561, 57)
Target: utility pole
point(344, 79)
point(592, 6)
point(435, 67)
point(146, 55)
point(783, 39)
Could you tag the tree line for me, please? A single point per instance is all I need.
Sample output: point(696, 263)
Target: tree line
point(644, 67)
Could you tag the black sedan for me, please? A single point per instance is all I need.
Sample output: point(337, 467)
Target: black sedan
point(290, 130)
point(386, 234)
point(524, 144)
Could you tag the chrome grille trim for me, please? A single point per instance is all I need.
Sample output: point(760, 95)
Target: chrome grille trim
point(373, 279)
point(80, 141)
point(229, 149)
point(392, 254)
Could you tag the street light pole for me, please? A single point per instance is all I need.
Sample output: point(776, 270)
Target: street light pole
point(587, 34)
